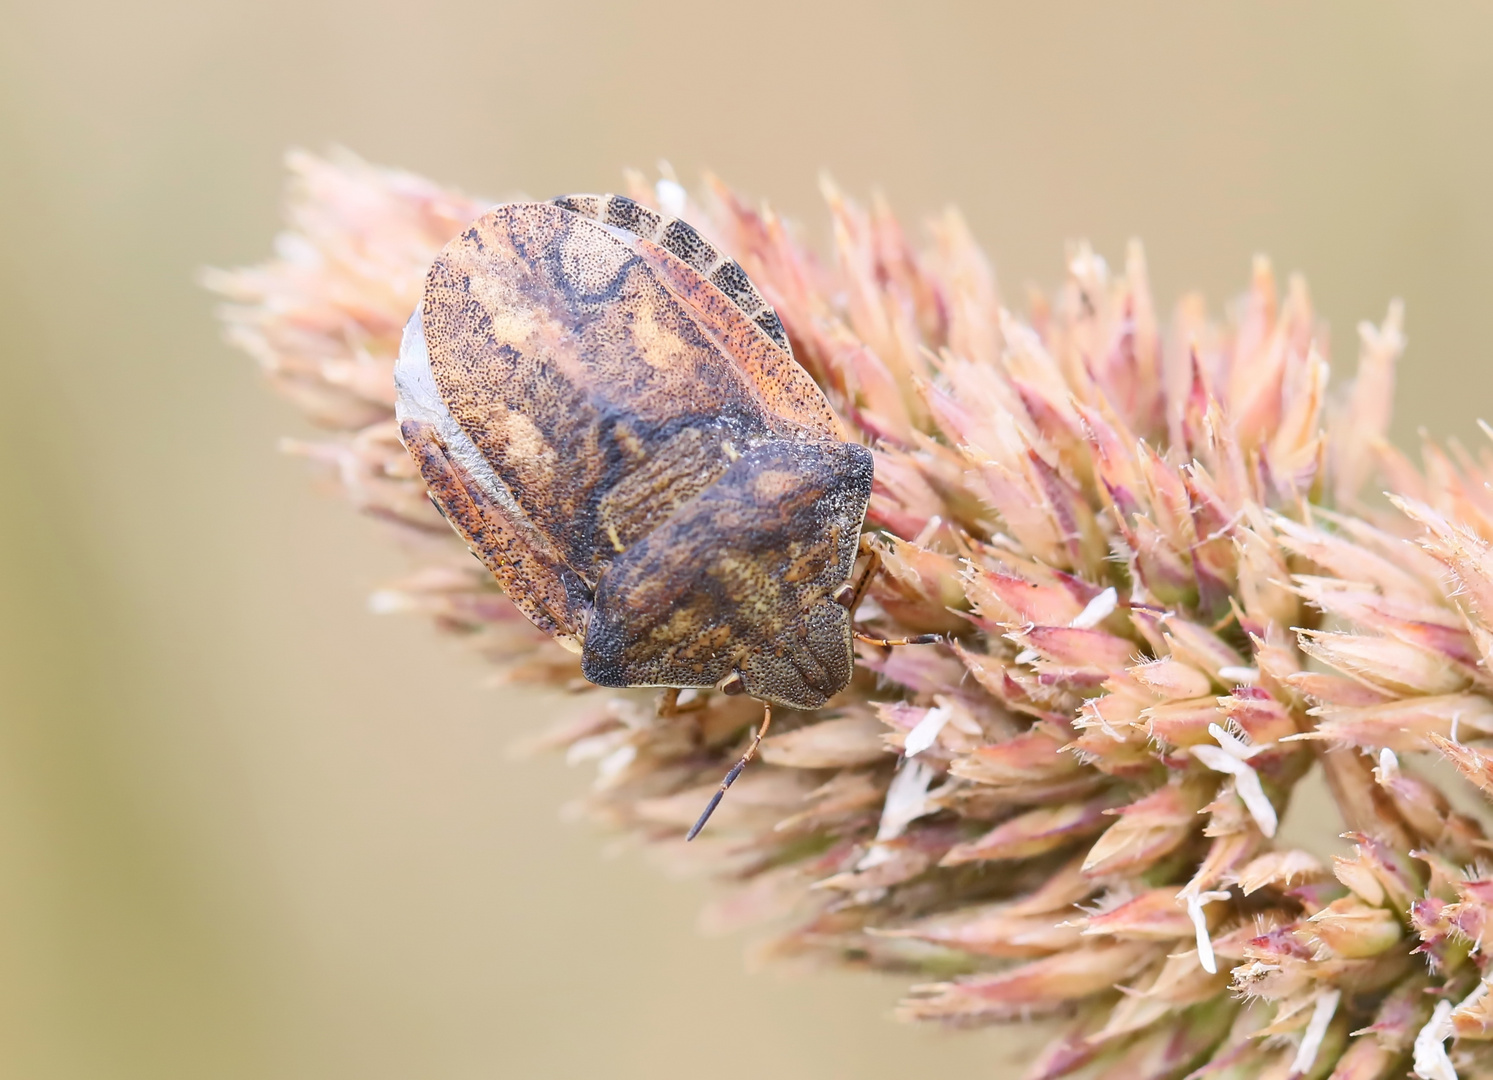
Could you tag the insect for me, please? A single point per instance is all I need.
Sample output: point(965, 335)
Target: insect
point(605, 409)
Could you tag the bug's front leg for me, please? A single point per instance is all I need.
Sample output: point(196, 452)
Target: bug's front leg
point(669, 705)
point(850, 594)
point(853, 592)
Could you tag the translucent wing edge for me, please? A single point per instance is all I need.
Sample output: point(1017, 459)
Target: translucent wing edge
point(418, 398)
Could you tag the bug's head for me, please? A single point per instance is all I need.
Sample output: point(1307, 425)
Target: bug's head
point(805, 665)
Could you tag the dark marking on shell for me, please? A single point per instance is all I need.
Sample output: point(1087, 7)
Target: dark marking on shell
point(772, 326)
point(685, 242)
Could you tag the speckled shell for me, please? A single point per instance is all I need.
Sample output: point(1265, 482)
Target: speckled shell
point(609, 414)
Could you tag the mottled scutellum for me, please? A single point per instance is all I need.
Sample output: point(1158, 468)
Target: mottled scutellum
point(1156, 544)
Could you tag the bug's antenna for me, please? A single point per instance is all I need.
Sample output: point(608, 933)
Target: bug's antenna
point(887, 643)
point(715, 800)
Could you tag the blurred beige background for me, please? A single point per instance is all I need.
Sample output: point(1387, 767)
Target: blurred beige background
point(249, 830)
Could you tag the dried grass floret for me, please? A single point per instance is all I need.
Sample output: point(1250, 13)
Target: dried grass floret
point(1168, 593)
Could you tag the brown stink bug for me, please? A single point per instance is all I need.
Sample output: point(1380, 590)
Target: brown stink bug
point(605, 409)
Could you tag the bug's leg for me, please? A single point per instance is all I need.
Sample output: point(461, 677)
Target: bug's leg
point(887, 643)
point(669, 705)
point(715, 800)
point(853, 591)
point(850, 594)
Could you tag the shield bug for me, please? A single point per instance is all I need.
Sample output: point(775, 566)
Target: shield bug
point(610, 415)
